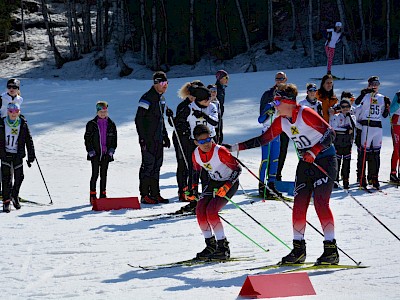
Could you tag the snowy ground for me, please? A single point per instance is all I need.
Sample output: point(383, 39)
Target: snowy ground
point(69, 251)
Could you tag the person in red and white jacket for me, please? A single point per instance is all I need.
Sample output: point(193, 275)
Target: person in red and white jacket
point(223, 171)
point(315, 171)
point(395, 122)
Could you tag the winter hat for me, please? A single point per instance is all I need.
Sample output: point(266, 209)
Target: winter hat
point(13, 105)
point(312, 87)
point(221, 74)
point(338, 24)
point(212, 87)
point(373, 79)
point(13, 81)
point(159, 76)
point(346, 95)
point(201, 93)
point(101, 106)
point(345, 101)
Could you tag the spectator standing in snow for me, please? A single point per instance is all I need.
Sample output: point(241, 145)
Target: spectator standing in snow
point(100, 142)
point(222, 82)
point(153, 137)
point(333, 36)
point(214, 100)
point(395, 122)
point(224, 171)
point(326, 95)
point(311, 100)
point(14, 138)
point(313, 137)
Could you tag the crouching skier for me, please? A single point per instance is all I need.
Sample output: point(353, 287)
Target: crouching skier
point(224, 171)
point(313, 137)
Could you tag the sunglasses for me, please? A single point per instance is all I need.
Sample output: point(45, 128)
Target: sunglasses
point(163, 83)
point(375, 83)
point(13, 110)
point(202, 142)
point(226, 77)
point(345, 106)
point(313, 89)
point(213, 90)
point(276, 102)
point(14, 87)
point(280, 78)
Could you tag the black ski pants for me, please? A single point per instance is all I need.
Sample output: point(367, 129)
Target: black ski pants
point(11, 165)
point(99, 167)
point(149, 173)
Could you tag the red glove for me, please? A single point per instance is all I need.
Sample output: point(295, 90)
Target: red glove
point(309, 156)
point(223, 190)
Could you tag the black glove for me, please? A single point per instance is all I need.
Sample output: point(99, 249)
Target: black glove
point(166, 142)
point(367, 91)
point(169, 113)
point(387, 101)
point(30, 161)
point(198, 113)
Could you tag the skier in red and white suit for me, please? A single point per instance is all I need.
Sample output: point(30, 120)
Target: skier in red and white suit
point(313, 138)
point(223, 171)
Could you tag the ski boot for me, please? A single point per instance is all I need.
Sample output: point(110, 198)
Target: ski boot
point(15, 202)
point(7, 206)
point(223, 252)
point(363, 183)
point(191, 207)
point(161, 199)
point(92, 197)
point(297, 255)
point(394, 178)
point(330, 255)
point(103, 194)
point(273, 190)
point(148, 200)
point(211, 246)
point(375, 182)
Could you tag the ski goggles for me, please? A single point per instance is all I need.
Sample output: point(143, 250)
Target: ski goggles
point(213, 90)
point(375, 83)
point(312, 89)
point(13, 110)
point(207, 140)
point(14, 87)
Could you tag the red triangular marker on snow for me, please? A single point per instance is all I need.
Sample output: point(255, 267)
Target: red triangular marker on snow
point(277, 285)
point(115, 203)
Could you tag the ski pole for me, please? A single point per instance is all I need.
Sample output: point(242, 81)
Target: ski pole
point(179, 142)
point(257, 222)
point(358, 202)
point(44, 181)
point(242, 233)
point(287, 204)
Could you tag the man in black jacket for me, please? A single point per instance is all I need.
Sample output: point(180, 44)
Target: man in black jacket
point(153, 137)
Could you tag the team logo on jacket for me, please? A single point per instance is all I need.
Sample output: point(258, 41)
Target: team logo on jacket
point(374, 101)
point(294, 130)
point(207, 166)
point(14, 131)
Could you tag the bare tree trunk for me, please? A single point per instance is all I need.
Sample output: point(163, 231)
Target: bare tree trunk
point(294, 46)
point(387, 29)
point(318, 29)
point(310, 31)
point(144, 38)
point(71, 34)
point(270, 27)
point(191, 33)
point(99, 24)
point(77, 30)
point(217, 19)
point(344, 41)
point(87, 30)
point(165, 33)
point(25, 58)
point(57, 56)
point(154, 55)
point(362, 25)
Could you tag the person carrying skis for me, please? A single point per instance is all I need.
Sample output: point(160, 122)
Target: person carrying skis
point(315, 171)
point(311, 100)
point(183, 145)
point(395, 126)
point(100, 142)
point(343, 123)
point(153, 137)
point(14, 138)
point(224, 171)
point(373, 106)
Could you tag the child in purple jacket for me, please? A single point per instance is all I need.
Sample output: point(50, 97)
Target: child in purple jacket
point(100, 142)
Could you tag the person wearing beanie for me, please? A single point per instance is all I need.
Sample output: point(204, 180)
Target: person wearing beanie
point(15, 137)
point(333, 36)
point(183, 144)
point(273, 155)
point(100, 142)
point(222, 77)
point(343, 121)
point(223, 171)
point(311, 100)
point(214, 100)
point(373, 106)
point(13, 94)
point(153, 137)
point(313, 137)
